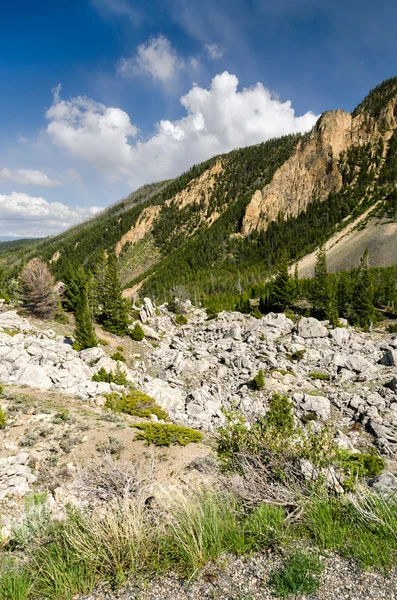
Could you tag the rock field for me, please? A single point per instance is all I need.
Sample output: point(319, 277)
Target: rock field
point(196, 369)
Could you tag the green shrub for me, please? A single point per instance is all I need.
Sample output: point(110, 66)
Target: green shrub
point(166, 434)
point(137, 333)
point(181, 320)
point(118, 356)
point(269, 434)
point(355, 466)
point(3, 418)
point(117, 376)
point(259, 380)
point(103, 342)
point(256, 313)
point(297, 355)
point(299, 575)
point(319, 376)
point(392, 328)
point(120, 348)
point(135, 403)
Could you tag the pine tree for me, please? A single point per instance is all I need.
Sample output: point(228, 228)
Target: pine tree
point(114, 314)
point(281, 289)
point(320, 285)
point(84, 334)
point(363, 296)
point(343, 294)
point(98, 285)
point(296, 282)
point(75, 280)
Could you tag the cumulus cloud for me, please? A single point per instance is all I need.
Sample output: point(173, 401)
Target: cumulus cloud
point(214, 51)
point(157, 58)
point(217, 120)
point(22, 215)
point(93, 132)
point(28, 177)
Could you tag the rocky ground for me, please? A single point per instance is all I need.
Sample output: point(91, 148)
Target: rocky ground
point(57, 425)
point(248, 579)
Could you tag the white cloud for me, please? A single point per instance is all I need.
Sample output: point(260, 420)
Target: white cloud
point(28, 177)
point(22, 215)
point(217, 120)
point(156, 58)
point(214, 51)
point(93, 132)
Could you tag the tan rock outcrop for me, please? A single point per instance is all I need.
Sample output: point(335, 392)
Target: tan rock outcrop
point(140, 229)
point(312, 171)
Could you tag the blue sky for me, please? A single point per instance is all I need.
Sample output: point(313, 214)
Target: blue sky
point(100, 96)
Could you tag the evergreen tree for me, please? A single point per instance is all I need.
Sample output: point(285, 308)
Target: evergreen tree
point(114, 313)
point(296, 282)
point(343, 294)
point(363, 296)
point(84, 334)
point(281, 290)
point(320, 288)
point(331, 309)
point(75, 280)
point(98, 285)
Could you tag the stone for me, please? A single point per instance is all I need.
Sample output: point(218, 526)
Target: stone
point(389, 359)
point(339, 336)
point(34, 376)
point(169, 398)
point(385, 481)
point(308, 327)
point(319, 405)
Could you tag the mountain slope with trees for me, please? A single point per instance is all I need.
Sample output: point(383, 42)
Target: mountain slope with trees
point(221, 227)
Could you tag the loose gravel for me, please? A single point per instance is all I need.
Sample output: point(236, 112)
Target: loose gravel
point(248, 579)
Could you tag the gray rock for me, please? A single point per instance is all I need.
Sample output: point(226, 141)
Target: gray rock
point(170, 399)
point(34, 376)
point(319, 405)
point(308, 327)
point(389, 359)
point(385, 481)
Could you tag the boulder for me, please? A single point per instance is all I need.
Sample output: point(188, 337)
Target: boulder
point(319, 405)
point(389, 359)
point(34, 376)
point(385, 481)
point(308, 327)
point(339, 335)
point(170, 399)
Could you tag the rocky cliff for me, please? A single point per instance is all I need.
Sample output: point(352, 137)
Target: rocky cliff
point(314, 170)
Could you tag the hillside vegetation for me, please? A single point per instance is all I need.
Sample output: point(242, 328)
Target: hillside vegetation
point(220, 227)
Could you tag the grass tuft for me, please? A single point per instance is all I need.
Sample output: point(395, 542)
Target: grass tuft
point(299, 575)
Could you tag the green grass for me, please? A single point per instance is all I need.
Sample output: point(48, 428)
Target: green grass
point(299, 575)
point(212, 524)
point(319, 376)
point(15, 584)
point(166, 434)
point(366, 532)
point(127, 541)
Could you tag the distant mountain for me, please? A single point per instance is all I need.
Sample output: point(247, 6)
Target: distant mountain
point(220, 227)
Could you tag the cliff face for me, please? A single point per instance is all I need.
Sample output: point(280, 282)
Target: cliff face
point(312, 172)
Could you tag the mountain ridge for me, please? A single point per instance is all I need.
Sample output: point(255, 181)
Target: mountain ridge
point(221, 225)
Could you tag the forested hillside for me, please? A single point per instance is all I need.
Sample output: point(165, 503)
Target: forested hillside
point(220, 227)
